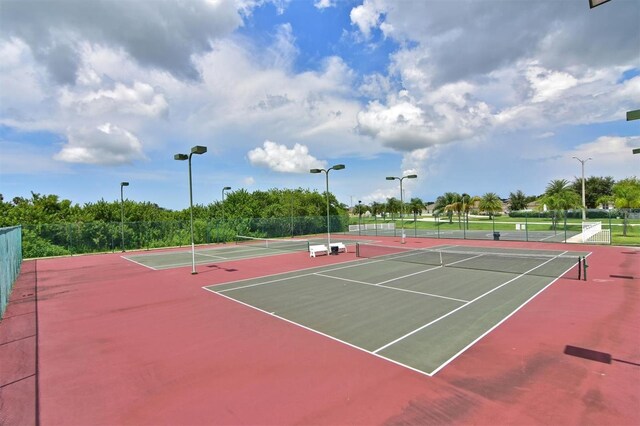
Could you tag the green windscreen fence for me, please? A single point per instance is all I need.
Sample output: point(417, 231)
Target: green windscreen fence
point(10, 261)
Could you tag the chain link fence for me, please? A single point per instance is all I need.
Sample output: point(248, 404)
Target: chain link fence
point(615, 226)
point(63, 239)
point(618, 226)
point(10, 261)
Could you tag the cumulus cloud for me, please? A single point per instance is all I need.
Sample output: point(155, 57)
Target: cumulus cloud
point(138, 99)
point(607, 148)
point(470, 38)
point(160, 34)
point(324, 4)
point(367, 16)
point(406, 124)
point(547, 84)
point(279, 158)
point(104, 145)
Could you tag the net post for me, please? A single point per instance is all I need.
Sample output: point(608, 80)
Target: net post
point(357, 249)
point(579, 268)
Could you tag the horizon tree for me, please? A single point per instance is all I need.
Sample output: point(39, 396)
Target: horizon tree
point(559, 196)
point(517, 201)
point(627, 196)
point(490, 203)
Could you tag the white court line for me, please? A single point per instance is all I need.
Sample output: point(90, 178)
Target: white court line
point(358, 263)
point(409, 275)
point(447, 362)
point(212, 256)
point(335, 339)
point(138, 263)
point(394, 288)
point(427, 270)
point(550, 236)
point(460, 307)
point(295, 276)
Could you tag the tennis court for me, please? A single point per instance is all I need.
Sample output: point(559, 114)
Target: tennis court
point(419, 308)
point(513, 235)
point(243, 248)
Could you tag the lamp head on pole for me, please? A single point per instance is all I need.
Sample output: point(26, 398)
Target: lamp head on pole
point(315, 171)
point(391, 178)
point(411, 176)
point(226, 188)
point(181, 157)
point(337, 167)
point(124, 183)
point(198, 149)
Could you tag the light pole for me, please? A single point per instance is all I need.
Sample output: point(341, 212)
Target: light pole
point(198, 149)
point(224, 238)
point(226, 188)
point(402, 199)
point(584, 205)
point(122, 184)
point(359, 215)
point(326, 172)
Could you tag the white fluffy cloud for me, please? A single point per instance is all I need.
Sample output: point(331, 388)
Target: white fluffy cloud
point(367, 16)
point(105, 145)
point(406, 124)
point(279, 158)
point(323, 4)
point(139, 99)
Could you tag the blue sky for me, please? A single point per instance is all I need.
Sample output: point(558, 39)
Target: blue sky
point(475, 97)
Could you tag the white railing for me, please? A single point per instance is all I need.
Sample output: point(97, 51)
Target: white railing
point(592, 232)
point(372, 226)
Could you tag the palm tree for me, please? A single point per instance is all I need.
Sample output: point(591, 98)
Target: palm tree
point(490, 203)
point(416, 206)
point(559, 196)
point(447, 203)
point(627, 196)
point(467, 203)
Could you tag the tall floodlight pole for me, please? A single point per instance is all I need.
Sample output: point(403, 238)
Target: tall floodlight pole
point(226, 188)
point(634, 115)
point(584, 205)
point(326, 172)
point(198, 149)
point(402, 199)
point(122, 184)
point(359, 215)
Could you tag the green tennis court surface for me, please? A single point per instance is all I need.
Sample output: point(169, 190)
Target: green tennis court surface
point(243, 249)
point(402, 304)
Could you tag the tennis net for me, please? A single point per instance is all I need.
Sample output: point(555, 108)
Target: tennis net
point(547, 265)
point(274, 243)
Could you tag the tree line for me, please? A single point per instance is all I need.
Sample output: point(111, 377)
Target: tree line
point(39, 208)
point(559, 195)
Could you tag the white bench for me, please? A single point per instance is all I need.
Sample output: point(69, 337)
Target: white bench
point(318, 249)
point(341, 247)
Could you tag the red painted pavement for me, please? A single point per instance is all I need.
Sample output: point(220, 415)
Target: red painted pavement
point(123, 344)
